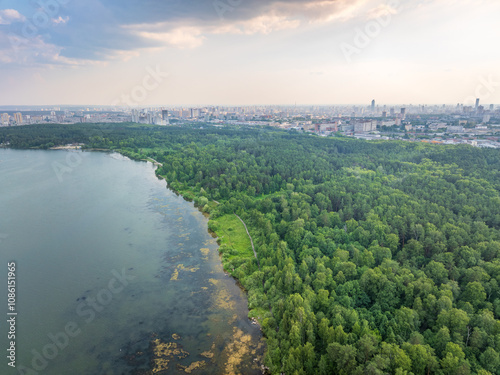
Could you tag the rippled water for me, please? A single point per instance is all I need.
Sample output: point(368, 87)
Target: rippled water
point(115, 273)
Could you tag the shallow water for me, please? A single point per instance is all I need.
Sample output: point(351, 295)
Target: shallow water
point(106, 252)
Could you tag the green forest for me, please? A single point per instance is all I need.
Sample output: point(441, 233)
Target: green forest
point(377, 257)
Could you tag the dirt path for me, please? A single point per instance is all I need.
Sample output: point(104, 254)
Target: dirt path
point(251, 241)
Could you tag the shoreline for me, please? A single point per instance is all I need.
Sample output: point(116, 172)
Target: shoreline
point(253, 320)
point(245, 302)
point(214, 234)
point(66, 148)
point(184, 196)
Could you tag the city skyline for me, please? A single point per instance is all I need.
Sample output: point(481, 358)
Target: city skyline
point(242, 52)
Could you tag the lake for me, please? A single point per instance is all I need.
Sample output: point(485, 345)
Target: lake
point(115, 274)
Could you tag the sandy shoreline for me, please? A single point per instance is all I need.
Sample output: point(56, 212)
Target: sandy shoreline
point(68, 147)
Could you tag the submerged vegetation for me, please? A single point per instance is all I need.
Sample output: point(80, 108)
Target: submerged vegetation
point(375, 257)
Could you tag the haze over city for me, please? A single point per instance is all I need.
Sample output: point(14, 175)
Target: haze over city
point(248, 52)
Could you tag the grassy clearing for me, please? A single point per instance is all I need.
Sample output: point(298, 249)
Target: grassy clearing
point(233, 237)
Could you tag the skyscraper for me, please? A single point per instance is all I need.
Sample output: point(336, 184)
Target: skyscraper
point(477, 103)
point(18, 118)
point(373, 105)
point(5, 119)
point(135, 115)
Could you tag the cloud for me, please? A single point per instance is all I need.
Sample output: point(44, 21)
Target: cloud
point(34, 51)
point(382, 10)
point(319, 10)
point(60, 20)
point(181, 37)
point(184, 37)
point(103, 30)
point(183, 23)
point(261, 18)
point(264, 24)
point(8, 16)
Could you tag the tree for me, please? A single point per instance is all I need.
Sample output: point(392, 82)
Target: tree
point(455, 320)
point(474, 293)
point(453, 361)
point(442, 339)
point(437, 272)
point(490, 360)
point(343, 358)
point(422, 358)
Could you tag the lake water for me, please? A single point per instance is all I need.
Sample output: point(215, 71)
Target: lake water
point(115, 273)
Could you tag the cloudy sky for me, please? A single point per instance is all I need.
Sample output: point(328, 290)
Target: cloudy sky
point(197, 52)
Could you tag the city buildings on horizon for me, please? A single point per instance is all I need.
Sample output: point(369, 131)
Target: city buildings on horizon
point(436, 123)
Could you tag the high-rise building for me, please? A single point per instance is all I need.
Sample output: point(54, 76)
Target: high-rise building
point(135, 115)
point(5, 119)
point(18, 118)
point(491, 107)
point(384, 114)
point(477, 103)
point(164, 114)
point(195, 112)
point(392, 111)
point(373, 105)
point(403, 113)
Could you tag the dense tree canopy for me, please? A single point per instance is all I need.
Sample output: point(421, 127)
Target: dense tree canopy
point(375, 257)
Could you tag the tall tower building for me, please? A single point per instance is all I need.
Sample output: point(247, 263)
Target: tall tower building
point(373, 105)
point(135, 115)
point(477, 103)
point(18, 118)
point(5, 119)
point(403, 113)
